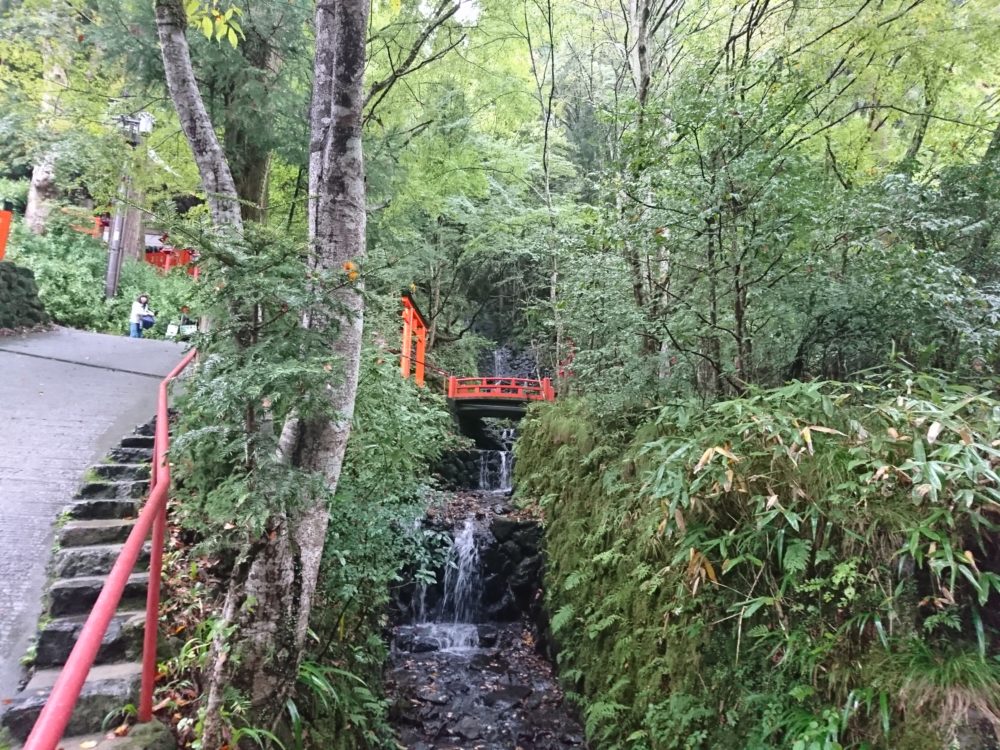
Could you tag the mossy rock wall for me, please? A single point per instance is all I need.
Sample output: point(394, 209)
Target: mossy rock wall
point(19, 302)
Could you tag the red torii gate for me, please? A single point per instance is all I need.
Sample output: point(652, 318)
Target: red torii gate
point(414, 325)
point(468, 390)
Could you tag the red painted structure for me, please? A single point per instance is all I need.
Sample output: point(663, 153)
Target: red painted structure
point(5, 219)
point(518, 389)
point(51, 723)
point(172, 257)
point(96, 231)
point(513, 389)
point(414, 326)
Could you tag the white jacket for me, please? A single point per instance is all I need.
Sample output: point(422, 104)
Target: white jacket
point(138, 310)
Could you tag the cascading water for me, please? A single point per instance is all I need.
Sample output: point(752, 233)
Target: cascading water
point(496, 467)
point(501, 362)
point(495, 471)
point(464, 670)
point(462, 579)
point(450, 625)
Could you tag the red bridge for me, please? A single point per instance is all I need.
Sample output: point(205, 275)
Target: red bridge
point(517, 389)
point(471, 399)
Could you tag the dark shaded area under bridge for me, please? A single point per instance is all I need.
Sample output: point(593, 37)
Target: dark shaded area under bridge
point(474, 400)
point(471, 415)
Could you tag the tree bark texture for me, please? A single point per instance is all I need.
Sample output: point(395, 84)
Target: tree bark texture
point(284, 574)
point(337, 227)
point(216, 177)
point(278, 576)
point(43, 189)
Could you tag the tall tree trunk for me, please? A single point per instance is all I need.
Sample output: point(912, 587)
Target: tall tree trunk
point(216, 177)
point(43, 189)
point(338, 218)
point(284, 573)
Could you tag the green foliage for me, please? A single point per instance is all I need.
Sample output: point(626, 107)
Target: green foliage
point(810, 566)
point(70, 269)
point(14, 192)
point(258, 367)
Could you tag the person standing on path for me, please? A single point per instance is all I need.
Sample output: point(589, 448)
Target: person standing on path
point(140, 308)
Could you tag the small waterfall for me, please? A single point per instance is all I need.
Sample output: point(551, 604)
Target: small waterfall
point(495, 471)
point(450, 625)
point(462, 584)
point(507, 437)
point(501, 362)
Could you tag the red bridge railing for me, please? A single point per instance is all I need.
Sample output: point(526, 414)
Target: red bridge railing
point(58, 710)
point(518, 389)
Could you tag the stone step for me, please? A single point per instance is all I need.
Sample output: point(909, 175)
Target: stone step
point(108, 689)
point(121, 472)
point(138, 441)
point(76, 596)
point(108, 489)
point(97, 531)
point(122, 642)
point(100, 508)
point(126, 455)
point(94, 560)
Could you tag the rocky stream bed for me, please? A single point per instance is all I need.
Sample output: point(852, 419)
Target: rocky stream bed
point(468, 669)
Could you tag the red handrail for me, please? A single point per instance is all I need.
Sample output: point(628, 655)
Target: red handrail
point(58, 709)
point(522, 389)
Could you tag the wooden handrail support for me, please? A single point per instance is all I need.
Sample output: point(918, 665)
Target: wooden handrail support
point(58, 709)
point(6, 217)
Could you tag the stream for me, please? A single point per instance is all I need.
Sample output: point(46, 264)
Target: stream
point(466, 670)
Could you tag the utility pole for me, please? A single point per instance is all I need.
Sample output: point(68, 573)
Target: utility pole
point(115, 241)
point(134, 129)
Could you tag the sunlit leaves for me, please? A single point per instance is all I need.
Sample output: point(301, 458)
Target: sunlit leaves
point(214, 22)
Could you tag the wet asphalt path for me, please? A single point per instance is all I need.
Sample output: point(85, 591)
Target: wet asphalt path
point(66, 397)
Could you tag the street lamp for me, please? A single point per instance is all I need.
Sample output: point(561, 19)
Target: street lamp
point(133, 127)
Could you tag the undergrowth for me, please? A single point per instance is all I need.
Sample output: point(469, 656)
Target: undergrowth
point(70, 267)
point(809, 567)
point(252, 373)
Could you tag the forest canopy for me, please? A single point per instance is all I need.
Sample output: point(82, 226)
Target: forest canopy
point(669, 207)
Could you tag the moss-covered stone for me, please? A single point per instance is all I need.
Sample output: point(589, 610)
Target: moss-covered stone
point(19, 303)
point(151, 736)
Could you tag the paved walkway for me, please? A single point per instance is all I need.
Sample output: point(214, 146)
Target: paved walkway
point(66, 398)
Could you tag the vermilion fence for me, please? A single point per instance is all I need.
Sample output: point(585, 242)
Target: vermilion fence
point(520, 389)
point(52, 721)
point(168, 258)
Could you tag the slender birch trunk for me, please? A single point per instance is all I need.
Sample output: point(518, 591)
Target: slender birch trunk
point(216, 177)
point(280, 573)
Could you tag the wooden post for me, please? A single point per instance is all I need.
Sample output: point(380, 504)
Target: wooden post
point(404, 360)
point(548, 392)
point(421, 353)
point(5, 219)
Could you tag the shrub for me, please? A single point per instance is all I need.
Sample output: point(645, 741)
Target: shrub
point(808, 567)
point(14, 192)
point(70, 270)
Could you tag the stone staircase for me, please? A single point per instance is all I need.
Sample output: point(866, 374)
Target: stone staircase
point(89, 537)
